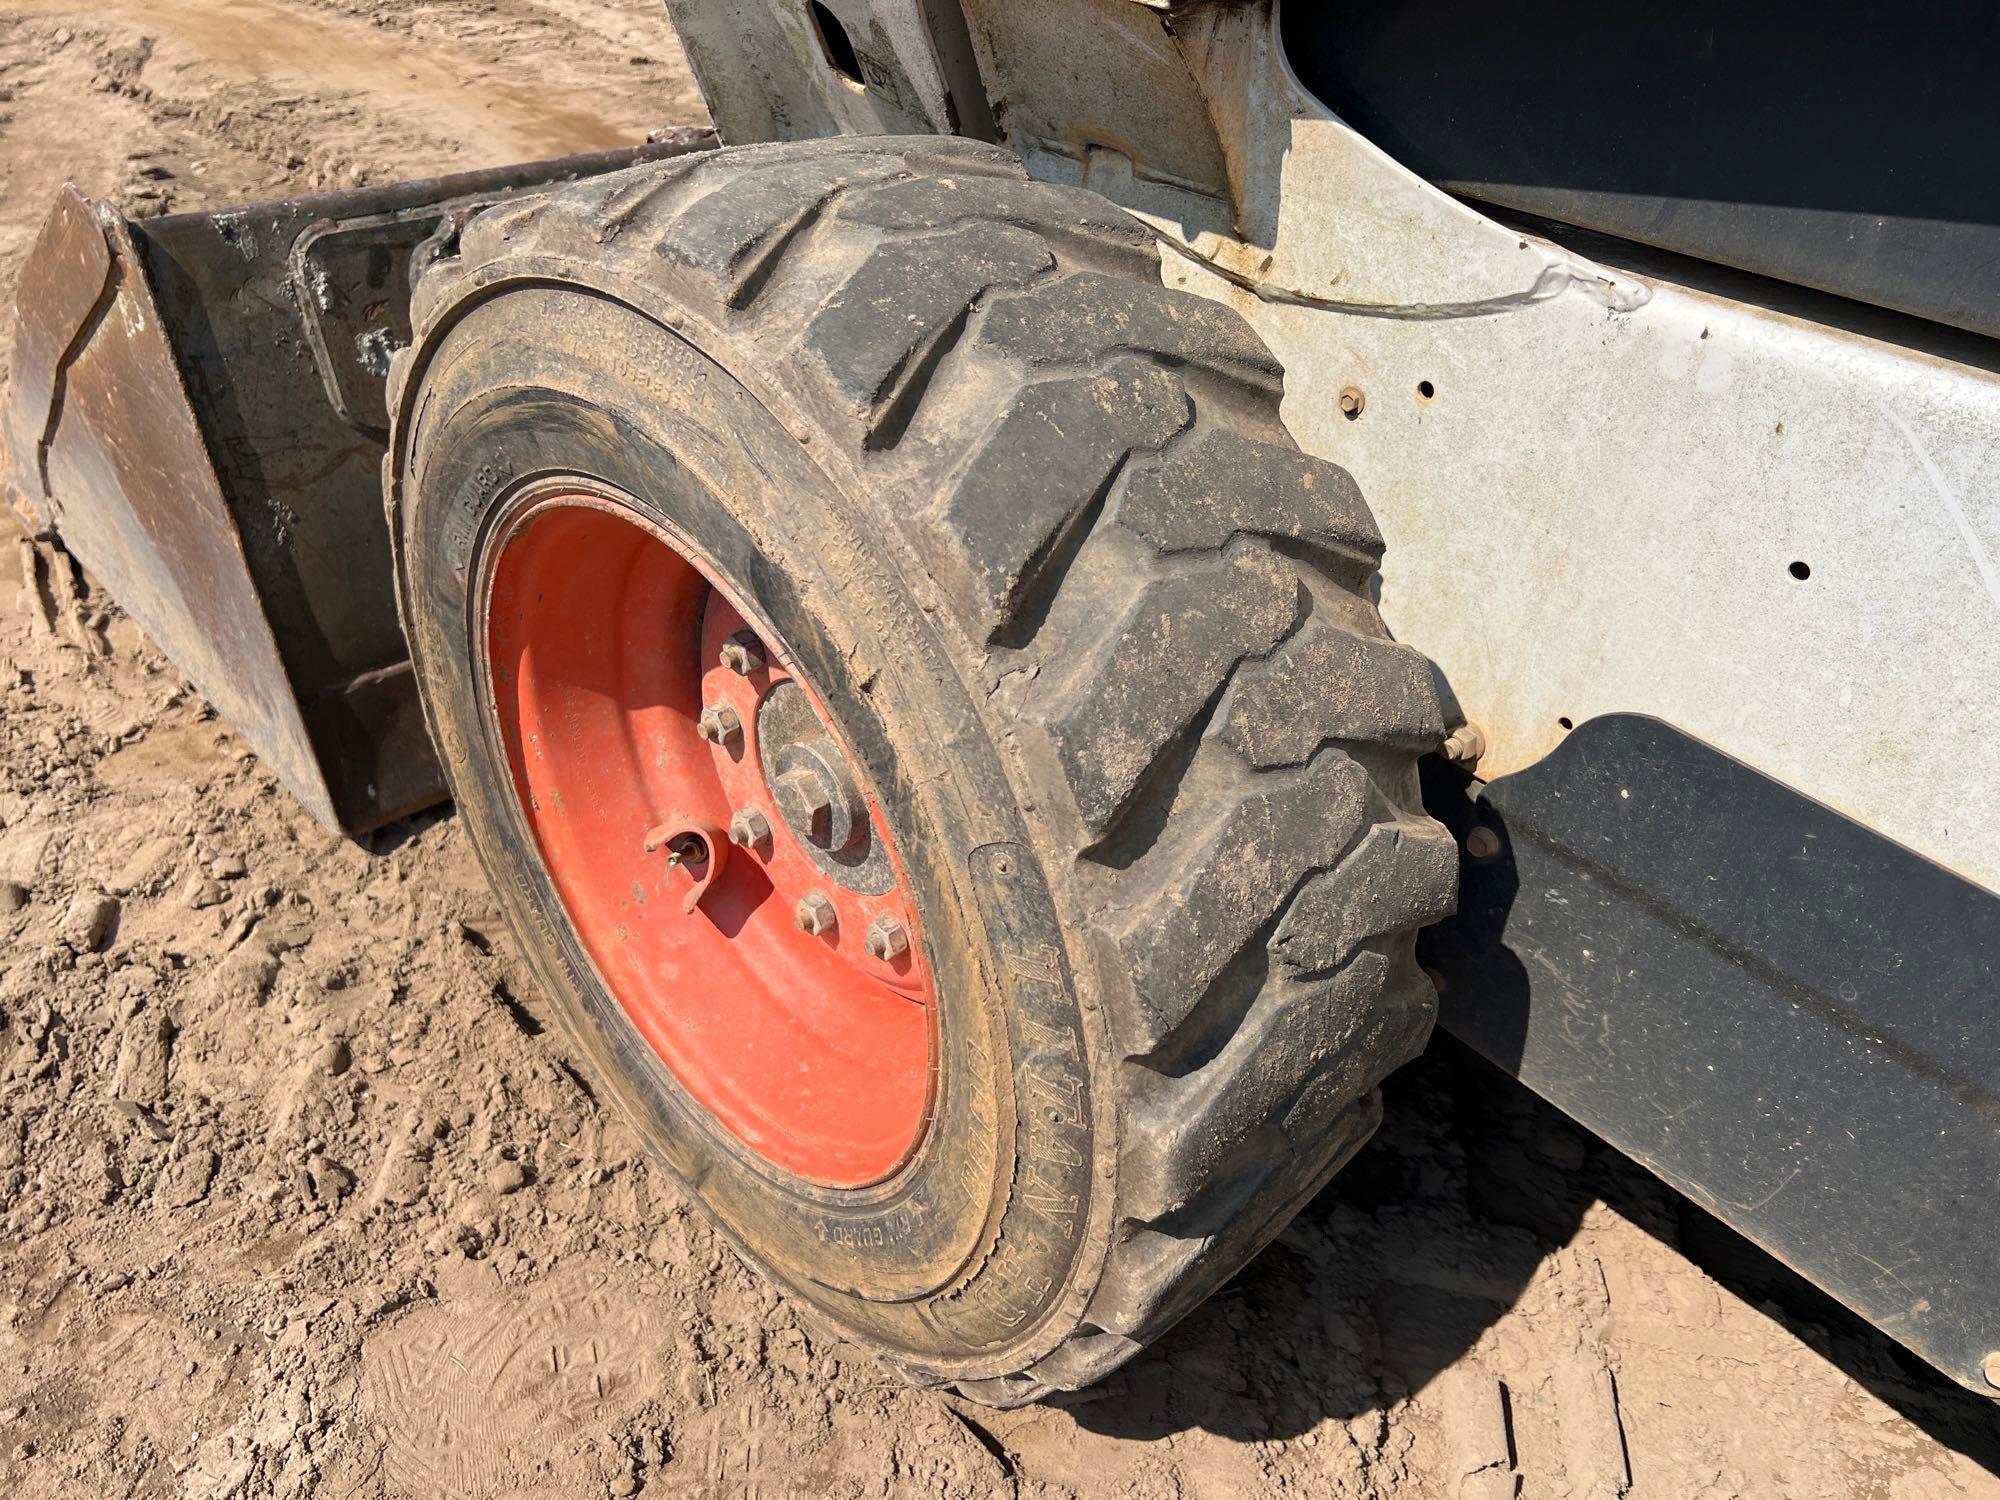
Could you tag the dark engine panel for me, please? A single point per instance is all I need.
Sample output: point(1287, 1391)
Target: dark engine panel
point(1847, 148)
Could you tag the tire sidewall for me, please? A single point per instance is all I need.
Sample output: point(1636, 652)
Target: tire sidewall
point(980, 1252)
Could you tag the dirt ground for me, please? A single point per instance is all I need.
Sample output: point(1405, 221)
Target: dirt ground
point(300, 1194)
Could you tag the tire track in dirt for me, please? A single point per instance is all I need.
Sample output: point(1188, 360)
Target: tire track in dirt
point(165, 104)
point(449, 93)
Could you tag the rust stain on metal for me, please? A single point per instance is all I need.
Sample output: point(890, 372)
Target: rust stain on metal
point(67, 277)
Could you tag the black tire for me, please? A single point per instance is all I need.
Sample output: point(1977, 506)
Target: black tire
point(1099, 634)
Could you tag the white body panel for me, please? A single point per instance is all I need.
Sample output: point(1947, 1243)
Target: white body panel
point(1599, 508)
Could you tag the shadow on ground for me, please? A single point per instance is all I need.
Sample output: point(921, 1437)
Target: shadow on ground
point(1419, 1247)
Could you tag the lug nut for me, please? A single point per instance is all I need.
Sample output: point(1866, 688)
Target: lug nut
point(1464, 745)
point(815, 914)
point(1352, 400)
point(718, 724)
point(743, 654)
point(886, 939)
point(749, 828)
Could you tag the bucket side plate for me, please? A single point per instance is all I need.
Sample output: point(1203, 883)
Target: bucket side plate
point(105, 449)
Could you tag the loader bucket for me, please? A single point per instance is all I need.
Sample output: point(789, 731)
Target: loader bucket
point(198, 414)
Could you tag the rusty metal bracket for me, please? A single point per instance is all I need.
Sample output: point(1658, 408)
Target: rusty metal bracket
point(352, 282)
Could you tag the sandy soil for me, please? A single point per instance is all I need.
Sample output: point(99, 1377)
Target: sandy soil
point(300, 1195)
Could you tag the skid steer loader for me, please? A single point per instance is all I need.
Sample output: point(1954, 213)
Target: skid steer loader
point(1010, 634)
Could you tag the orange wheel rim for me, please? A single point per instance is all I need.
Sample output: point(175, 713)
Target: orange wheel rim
point(714, 849)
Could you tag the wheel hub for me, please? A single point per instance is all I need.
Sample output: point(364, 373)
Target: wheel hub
point(815, 795)
point(710, 840)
